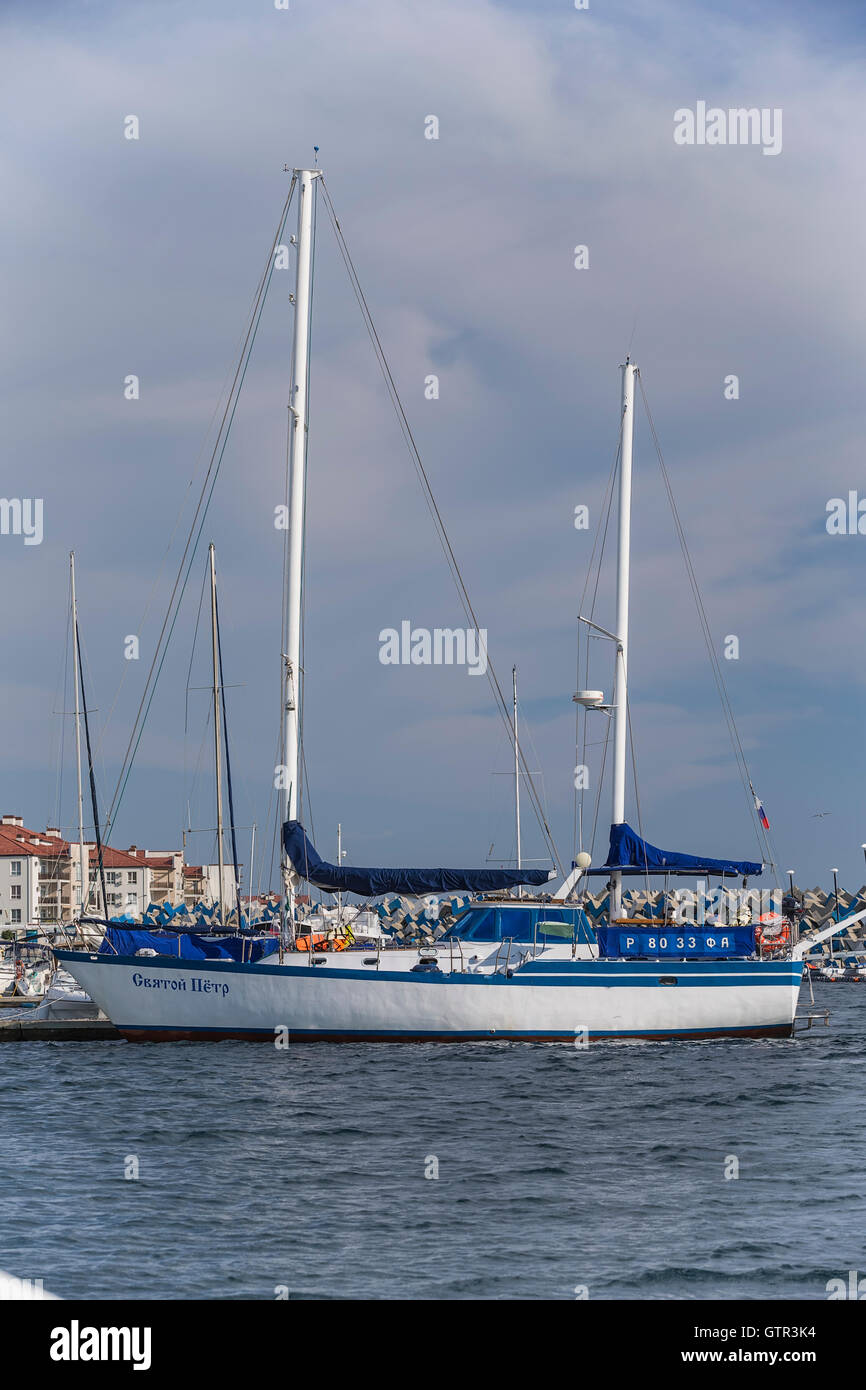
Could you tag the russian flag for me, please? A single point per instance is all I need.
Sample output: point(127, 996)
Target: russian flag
point(762, 815)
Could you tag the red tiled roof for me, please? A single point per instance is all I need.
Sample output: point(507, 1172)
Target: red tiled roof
point(113, 858)
point(17, 839)
point(153, 861)
point(23, 841)
point(13, 848)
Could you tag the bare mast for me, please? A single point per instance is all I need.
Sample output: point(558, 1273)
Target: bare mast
point(84, 892)
point(620, 698)
point(298, 463)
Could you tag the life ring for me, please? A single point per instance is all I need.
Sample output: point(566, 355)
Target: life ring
point(773, 932)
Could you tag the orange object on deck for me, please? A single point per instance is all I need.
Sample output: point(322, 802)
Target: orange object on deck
point(321, 942)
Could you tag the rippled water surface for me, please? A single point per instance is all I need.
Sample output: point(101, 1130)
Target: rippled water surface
point(305, 1170)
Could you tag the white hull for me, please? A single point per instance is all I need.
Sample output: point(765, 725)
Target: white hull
point(162, 999)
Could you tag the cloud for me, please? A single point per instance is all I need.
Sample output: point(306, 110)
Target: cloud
point(555, 129)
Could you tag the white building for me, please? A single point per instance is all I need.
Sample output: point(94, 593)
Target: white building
point(19, 884)
point(52, 893)
point(127, 883)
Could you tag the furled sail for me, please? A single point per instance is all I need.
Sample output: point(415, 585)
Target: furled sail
point(185, 945)
point(371, 883)
point(630, 854)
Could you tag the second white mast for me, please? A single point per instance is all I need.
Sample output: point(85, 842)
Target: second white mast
point(620, 698)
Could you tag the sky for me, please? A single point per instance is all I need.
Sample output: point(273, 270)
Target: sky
point(555, 130)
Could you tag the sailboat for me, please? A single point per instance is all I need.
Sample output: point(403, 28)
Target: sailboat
point(507, 968)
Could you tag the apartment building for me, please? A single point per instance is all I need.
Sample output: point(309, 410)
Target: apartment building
point(127, 883)
point(40, 876)
point(166, 873)
point(19, 883)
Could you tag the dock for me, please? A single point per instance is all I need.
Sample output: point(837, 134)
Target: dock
point(57, 1030)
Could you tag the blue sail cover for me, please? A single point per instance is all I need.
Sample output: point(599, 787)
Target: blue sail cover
point(122, 941)
point(631, 855)
point(371, 883)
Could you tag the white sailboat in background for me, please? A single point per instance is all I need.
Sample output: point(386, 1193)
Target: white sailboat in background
point(507, 968)
point(46, 991)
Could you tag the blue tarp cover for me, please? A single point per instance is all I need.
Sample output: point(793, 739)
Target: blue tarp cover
point(678, 941)
point(121, 941)
point(370, 883)
point(631, 855)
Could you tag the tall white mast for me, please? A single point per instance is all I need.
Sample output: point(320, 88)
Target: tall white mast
point(516, 774)
point(217, 736)
point(620, 698)
point(83, 874)
point(298, 456)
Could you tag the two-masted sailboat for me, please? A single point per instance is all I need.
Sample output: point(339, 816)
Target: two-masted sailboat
point(508, 967)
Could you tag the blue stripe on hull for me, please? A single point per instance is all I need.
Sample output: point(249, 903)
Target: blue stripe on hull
point(539, 974)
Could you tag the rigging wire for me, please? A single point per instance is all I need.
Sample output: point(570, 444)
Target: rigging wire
point(636, 792)
point(432, 506)
point(228, 768)
point(93, 798)
point(766, 847)
point(62, 692)
point(199, 764)
point(170, 542)
point(188, 788)
point(526, 727)
point(598, 792)
point(192, 653)
point(198, 520)
point(273, 810)
point(599, 543)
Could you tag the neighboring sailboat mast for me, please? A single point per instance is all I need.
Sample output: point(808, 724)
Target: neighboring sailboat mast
point(519, 864)
point(298, 464)
point(84, 891)
point(217, 733)
point(620, 698)
point(94, 801)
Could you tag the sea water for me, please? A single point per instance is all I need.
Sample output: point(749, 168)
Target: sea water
point(727, 1169)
